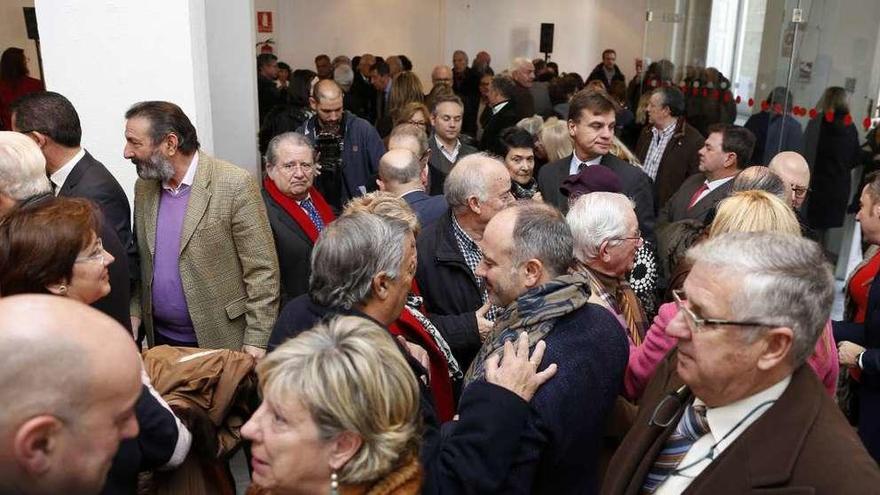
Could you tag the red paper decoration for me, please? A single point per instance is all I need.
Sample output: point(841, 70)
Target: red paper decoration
point(847, 119)
point(738, 100)
point(727, 96)
point(765, 105)
point(813, 113)
point(829, 116)
point(866, 123)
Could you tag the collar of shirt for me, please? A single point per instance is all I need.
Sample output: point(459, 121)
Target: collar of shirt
point(308, 196)
point(715, 184)
point(575, 163)
point(470, 246)
point(497, 108)
point(187, 178)
point(722, 420)
point(61, 174)
point(450, 154)
point(667, 131)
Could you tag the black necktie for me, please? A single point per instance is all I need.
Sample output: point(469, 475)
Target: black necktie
point(582, 166)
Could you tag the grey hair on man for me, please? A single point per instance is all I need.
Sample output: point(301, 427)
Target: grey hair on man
point(760, 178)
point(409, 136)
point(518, 63)
point(350, 252)
point(344, 76)
point(540, 232)
point(595, 218)
point(399, 166)
point(780, 280)
point(22, 168)
point(294, 138)
point(467, 179)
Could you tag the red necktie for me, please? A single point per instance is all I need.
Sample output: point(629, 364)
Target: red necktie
point(697, 194)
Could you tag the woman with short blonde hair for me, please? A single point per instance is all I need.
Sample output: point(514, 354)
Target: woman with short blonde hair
point(340, 412)
point(556, 140)
point(754, 211)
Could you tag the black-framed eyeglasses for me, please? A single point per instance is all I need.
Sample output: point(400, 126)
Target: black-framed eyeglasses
point(698, 324)
point(800, 192)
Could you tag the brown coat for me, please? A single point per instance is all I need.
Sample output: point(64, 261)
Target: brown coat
point(679, 161)
point(800, 445)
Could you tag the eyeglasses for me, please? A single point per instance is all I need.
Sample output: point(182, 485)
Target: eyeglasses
point(799, 192)
point(304, 167)
point(98, 256)
point(698, 324)
point(637, 237)
point(418, 123)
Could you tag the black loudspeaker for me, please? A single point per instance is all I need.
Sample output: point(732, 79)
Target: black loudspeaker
point(546, 37)
point(30, 22)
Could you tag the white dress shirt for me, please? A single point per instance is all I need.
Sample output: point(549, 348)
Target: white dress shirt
point(711, 186)
point(722, 421)
point(575, 163)
point(60, 176)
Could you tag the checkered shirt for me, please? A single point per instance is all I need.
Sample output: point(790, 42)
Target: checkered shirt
point(472, 257)
point(655, 152)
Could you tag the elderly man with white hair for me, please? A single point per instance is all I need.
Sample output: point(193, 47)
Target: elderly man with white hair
point(606, 238)
point(22, 170)
point(733, 409)
point(523, 73)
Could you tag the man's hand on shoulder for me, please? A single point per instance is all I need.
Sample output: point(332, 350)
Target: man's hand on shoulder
point(517, 371)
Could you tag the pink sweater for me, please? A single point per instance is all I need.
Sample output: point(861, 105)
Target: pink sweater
point(643, 359)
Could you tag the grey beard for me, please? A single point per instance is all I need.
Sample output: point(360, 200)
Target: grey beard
point(156, 168)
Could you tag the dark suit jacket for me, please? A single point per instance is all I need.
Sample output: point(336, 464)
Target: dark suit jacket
point(294, 250)
point(524, 102)
point(800, 445)
point(679, 161)
point(427, 208)
point(89, 179)
point(677, 207)
point(506, 117)
point(449, 288)
point(867, 335)
point(636, 185)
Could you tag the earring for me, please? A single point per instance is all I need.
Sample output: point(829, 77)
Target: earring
point(334, 483)
point(62, 289)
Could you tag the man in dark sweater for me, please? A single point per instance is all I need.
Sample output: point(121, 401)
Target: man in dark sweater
point(527, 253)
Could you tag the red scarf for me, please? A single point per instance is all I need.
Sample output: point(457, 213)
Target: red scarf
point(297, 213)
point(441, 385)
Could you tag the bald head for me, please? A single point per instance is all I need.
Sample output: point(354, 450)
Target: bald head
point(441, 74)
point(326, 89)
point(71, 377)
point(794, 171)
point(400, 171)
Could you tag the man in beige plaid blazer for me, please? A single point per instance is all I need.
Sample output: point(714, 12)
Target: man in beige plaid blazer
point(209, 271)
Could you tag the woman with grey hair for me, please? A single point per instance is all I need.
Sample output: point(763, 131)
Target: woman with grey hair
point(340, 412)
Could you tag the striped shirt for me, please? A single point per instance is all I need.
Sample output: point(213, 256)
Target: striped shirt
point(658, 145)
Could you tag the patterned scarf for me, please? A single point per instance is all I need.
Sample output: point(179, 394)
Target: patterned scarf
point(620, 298)
point(520, 191)
point(413, 305)
point(534, 312)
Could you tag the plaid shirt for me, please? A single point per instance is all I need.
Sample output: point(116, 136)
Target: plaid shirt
point(472, 257)
point(658, 146)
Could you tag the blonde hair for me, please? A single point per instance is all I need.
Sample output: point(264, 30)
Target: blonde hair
point(351, 377)
point(384, 204)
point(555, 138)
point(754, 211)
point(406, 88)
point(620, 150)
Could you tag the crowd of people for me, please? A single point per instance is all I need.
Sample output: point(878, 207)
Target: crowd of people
point(514, 282)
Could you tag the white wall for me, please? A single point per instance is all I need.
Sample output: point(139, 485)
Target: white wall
point(232, 74)
point(14, 33)
point(429, 31)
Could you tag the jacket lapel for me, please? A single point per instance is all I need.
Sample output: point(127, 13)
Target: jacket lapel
point(75, 175)
point(285, 218)
point(199, 197)
point(152, 190)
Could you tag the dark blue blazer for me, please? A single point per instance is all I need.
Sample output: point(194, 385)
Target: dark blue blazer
point(427, 208)
point(867, 335)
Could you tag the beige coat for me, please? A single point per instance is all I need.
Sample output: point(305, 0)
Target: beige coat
point(228, 263)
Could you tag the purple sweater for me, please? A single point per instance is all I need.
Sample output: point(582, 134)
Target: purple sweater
point(170, 312)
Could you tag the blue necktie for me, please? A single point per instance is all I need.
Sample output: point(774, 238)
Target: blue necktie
point(307, 205)
point(691, 427)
